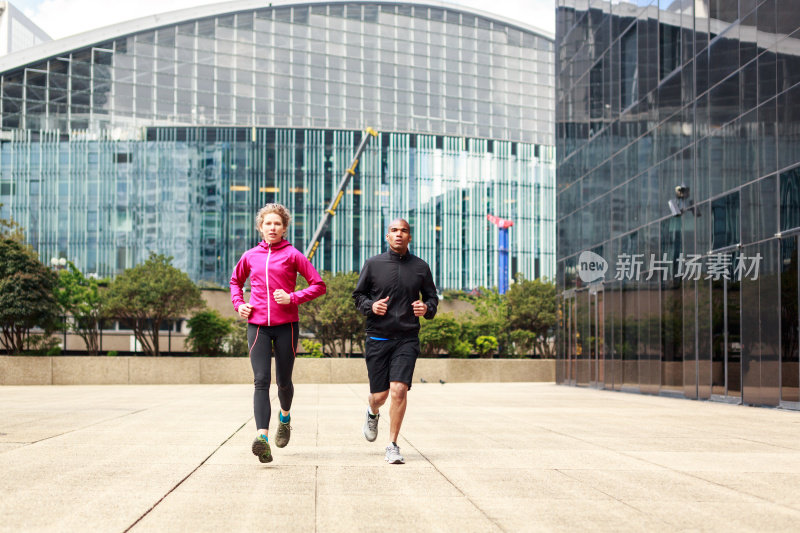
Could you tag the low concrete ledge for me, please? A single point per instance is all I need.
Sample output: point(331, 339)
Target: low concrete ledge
point(22, 370)
point(226, 370)
point(163, 370)
point(72, 370)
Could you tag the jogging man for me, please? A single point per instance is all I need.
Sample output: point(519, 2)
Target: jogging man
point(388, 293)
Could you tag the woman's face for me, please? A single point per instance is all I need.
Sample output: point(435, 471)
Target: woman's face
point(272, 228)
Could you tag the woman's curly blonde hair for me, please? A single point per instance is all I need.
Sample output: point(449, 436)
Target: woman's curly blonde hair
point(273, 208)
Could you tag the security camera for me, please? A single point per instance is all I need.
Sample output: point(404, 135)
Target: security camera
point(682, 192)
point(673, 207)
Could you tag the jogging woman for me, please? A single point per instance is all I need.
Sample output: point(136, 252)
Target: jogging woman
point(272, 317)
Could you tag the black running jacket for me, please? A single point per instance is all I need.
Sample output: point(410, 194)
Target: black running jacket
point(402, 279)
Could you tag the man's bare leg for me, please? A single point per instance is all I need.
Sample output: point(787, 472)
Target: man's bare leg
point(397, 409)
point(376, 400)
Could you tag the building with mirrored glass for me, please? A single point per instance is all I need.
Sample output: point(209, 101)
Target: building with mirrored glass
point(17, 31)
point(167, 133)
point(679, 166)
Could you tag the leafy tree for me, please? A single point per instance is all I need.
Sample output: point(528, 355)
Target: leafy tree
point(149, 294)
point(26, 295)
point(532, 307)
point(333, 319)
point(9, 229)
point(208, 332)
point(80, 297)
point(439, 335)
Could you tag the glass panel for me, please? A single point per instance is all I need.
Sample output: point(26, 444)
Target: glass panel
point(583, 333)
point(790, 320)
point(733, 367)
point(751, 336)
point(671, 309)
point(610, 299)
point(689, 289)
point(718, 317)
point(669, 44)
point(770, 284)
point(630, 336)
point(574, 340)
point(595, 341)
point(790, 199)
point(629, 74)
point(561, 339)
point(725, 224)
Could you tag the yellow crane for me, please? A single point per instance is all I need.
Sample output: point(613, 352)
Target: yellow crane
point(331, 210)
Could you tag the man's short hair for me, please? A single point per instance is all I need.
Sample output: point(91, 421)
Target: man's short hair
point(399, 219)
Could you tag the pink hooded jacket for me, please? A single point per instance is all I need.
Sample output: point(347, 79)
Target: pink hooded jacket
point(281, 261)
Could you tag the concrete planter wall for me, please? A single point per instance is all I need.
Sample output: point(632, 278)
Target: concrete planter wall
point(84, 370)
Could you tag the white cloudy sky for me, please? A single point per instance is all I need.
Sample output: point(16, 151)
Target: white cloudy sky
point(60, 18)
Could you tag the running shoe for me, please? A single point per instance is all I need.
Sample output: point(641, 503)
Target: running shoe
point(393, 456)
point(370, 428)
point(283, 434)
point(261, 449)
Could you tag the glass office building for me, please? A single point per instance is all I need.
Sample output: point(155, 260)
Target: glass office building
point(678, 142)
point(167, 134)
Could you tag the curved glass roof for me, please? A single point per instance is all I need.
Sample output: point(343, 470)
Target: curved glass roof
point(407, 66)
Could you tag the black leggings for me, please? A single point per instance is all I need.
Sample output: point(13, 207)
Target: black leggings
point(263, 341)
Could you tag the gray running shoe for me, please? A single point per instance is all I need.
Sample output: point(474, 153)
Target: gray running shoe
point(370, 428)
point(393, 456)
point(283, 434)
point(261, 449)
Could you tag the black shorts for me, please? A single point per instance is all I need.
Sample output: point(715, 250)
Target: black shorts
point(390, 360)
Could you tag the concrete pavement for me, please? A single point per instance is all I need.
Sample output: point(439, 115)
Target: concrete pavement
point(479, 457)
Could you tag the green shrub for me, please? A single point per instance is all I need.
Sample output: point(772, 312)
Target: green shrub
point(454, 294)
point(112, 353)
point(313, 348)
point(333, 319)
point(42, 344)
point(235, 342)
point(487, 345)
point(522, 342)
point(208, 332)
point(438, 335)
point(461, 349)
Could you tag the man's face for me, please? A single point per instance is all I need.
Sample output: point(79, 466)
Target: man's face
point(398, 236)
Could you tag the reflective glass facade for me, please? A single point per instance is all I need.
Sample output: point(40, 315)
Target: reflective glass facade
point(169, 138)
point(677, 139)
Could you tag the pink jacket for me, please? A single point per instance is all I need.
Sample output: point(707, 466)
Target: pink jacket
point(282, 262)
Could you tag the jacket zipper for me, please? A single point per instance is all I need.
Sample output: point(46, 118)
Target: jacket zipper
point(266, 275)
point(397, 308)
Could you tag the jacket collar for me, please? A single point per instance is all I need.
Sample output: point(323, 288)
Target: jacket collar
point(283, 243)
point(398, 257)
